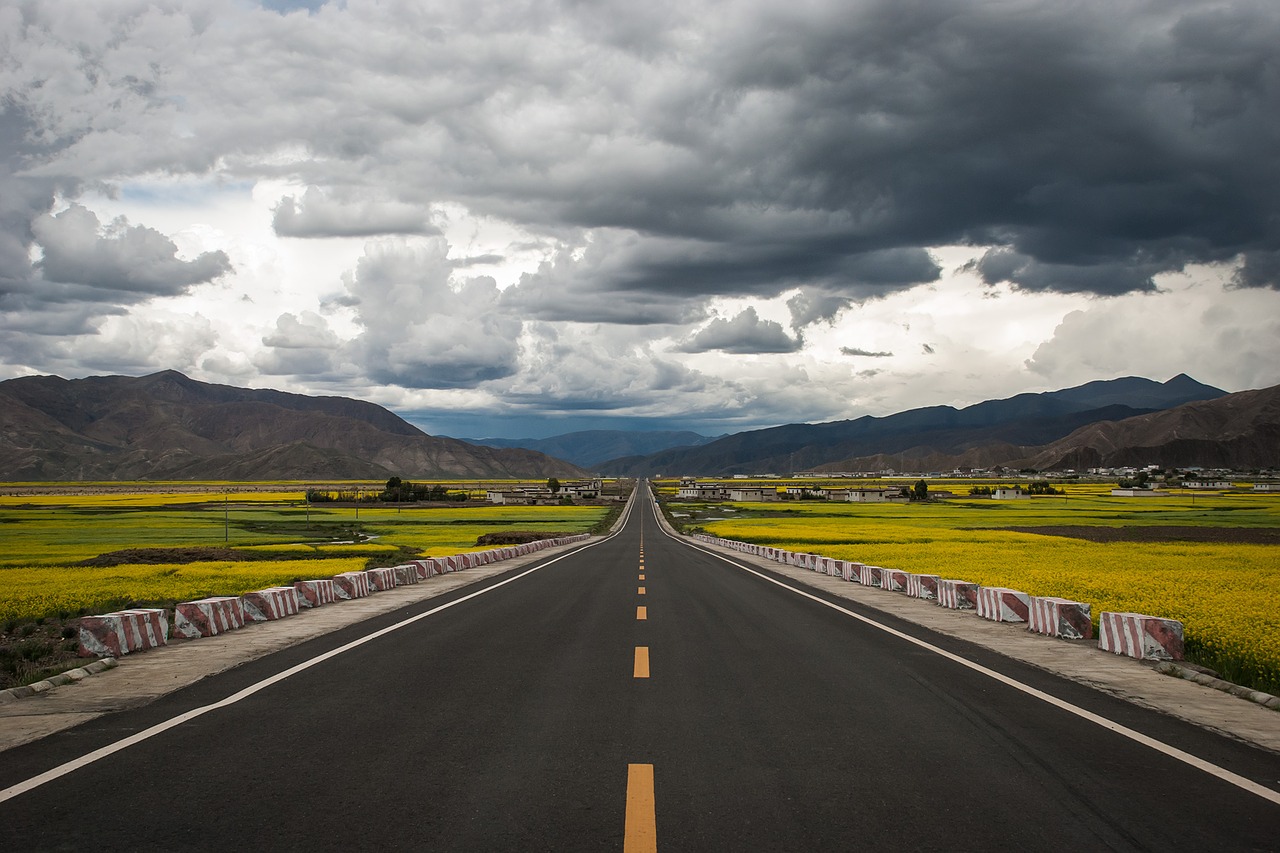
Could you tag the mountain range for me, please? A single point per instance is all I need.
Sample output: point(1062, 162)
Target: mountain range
point(167, 426)
point(1100, 423)
point(589, 448)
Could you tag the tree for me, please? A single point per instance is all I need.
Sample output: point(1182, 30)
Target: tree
point(553, 484)
point(921, 490)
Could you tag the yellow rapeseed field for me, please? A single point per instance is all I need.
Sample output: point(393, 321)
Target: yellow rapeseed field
point(49, 535)
point(1225, 594)
point(65, 591)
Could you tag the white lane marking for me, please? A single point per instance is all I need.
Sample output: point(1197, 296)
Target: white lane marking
point(146, 734)
point(1159, 746)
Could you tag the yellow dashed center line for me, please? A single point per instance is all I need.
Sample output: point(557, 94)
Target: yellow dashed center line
point(642, 577)
point(640, 832)
point(640, 591)
point(642, 613)
point(641, 669)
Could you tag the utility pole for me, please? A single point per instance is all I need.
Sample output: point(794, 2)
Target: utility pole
point(226, 517)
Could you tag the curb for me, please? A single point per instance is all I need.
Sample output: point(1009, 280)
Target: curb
point(68, 677)
point(1266, 700)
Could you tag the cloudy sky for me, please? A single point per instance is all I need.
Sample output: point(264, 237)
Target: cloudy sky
point(524, 218)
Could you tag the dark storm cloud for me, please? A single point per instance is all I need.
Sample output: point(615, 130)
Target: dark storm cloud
point(125, 263)
point(1260, 269)
point(824, 147)
point(745, 333)
point(23, 199)
point(751, 148)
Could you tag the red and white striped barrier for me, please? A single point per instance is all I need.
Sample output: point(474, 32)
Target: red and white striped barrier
point(869, 575)
point(381, 580)
point(406, 574)
point(270, 604)
point(957, 595)
point(208, 616)
point(1000, 604)
point(315, 593)
point(923, 586)
point(1139, 636)
point(893, 580)
point(1060, 617)
point(349, 585)
point(849, 571)
point(122, 632)
point(426, 568)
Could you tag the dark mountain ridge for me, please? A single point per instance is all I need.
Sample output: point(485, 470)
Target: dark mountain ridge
point(939, 431)
point(589, 448)
point(168, 426)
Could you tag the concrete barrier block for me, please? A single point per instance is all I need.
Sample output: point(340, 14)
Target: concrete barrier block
point(270, 604)
point(122, 632)
point(381, 580)
point(208, 617)
point(429, 568)
point(870, 575)
point(349, 585)
point(957, 594)
point(102, 636)
point(1060, 617)
point(1140, 636)
point(315, 593)
point(923, 586)
point(893, 580)
point(406, 574)
point(1000, 604)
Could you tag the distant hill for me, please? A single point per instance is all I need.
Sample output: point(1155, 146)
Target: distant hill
point(168, 426)
point(926, 437)
point(1234, 431)
point(589, 448)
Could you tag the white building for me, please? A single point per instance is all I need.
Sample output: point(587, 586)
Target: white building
point(703, 492)
point(750, 494)
point(1008, 495)
point(876, 495)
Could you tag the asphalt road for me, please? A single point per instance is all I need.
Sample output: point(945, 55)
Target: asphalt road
point(528, 718)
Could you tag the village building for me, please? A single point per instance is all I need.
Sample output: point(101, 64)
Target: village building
point(753, 494)
point(877, 495)
point(703, 492)
point(1008, 495)
point(800, 492)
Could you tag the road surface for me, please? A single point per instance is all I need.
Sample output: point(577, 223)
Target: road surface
point(638, 694)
